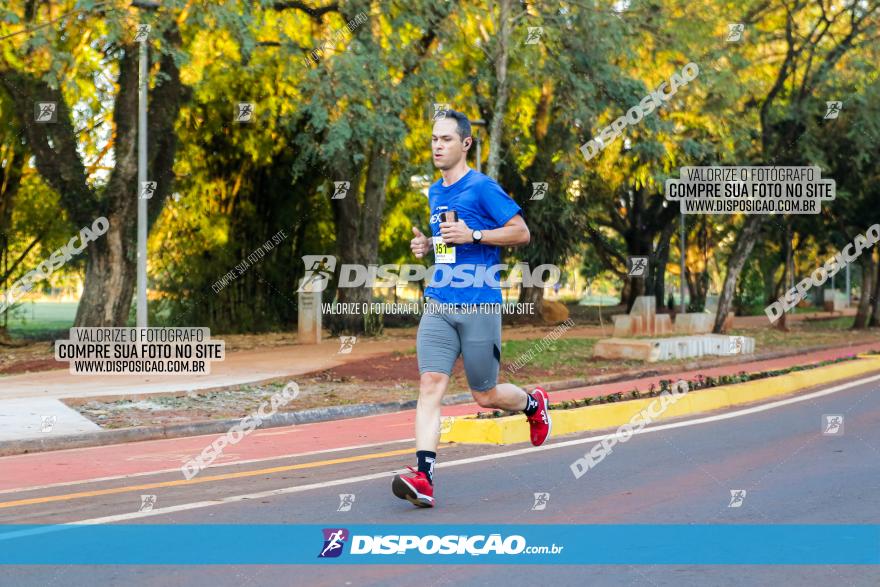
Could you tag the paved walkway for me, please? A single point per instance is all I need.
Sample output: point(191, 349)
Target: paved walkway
point(250, 366)
point(169, 454)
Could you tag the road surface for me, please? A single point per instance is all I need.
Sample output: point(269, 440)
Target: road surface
point(681, 472)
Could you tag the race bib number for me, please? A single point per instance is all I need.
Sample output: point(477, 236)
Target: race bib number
point(443, 253)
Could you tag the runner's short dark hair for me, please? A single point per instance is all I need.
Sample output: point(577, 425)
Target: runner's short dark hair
point(464, 125)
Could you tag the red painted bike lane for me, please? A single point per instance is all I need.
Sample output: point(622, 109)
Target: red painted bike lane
point(84, 464)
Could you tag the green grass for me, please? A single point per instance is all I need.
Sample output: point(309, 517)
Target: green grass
point(39, 319)
point(562, 352)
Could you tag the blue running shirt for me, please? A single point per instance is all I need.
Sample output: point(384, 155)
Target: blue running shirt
point(483, 205)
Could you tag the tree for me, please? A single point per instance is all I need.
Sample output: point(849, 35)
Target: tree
point(50, 72)
point(815, 40)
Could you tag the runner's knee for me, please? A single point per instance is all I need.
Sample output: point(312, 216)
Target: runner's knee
point(433, 383)
point(485, 399)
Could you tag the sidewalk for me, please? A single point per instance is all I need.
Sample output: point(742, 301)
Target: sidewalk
point(66, 466)
point(253, 366)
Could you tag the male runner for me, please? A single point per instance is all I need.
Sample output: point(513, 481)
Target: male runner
point(487, 220)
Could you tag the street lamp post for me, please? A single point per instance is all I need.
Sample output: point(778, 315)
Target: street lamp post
point(143, 84)
point(682, 247)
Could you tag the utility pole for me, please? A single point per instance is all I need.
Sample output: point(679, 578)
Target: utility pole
point(143, 38)
point(681, 243)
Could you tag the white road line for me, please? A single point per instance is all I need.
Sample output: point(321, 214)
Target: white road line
point(213, 466)
point(467, 461)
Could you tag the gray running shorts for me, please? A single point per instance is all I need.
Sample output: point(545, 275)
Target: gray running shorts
point(474, 332)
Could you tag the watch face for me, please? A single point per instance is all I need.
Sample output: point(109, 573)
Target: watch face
point(478, 235)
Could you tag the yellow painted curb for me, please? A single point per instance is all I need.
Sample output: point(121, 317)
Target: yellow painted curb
point(512, 429)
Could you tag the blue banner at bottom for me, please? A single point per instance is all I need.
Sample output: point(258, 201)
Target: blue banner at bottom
point(208, 544)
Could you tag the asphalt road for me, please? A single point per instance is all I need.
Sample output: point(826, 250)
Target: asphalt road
point(681, 473)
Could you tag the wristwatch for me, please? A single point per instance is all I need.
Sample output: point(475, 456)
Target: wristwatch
point(477, 236)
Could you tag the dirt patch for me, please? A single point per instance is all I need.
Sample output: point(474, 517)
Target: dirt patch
point(29, 357)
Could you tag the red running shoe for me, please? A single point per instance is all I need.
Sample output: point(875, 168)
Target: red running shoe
point(540, 422)
point(415, 488)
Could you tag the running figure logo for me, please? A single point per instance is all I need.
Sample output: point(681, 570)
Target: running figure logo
point(832, 109)
point(148, 188)
point(47, 423)
point(334, 540)
point(832, 424)
point(346, 500)
point(539, 190)
point(45, 112)
point(340, 189)
point(244, 112)
point(735, 345)
point(737, 496)
point(541, 501)
point(735, 32)
point(440, 109)
point(319, 270)
point(147, 503)
point(534, 36)
point(143, 32)
point(638, 266)
point(346, 343)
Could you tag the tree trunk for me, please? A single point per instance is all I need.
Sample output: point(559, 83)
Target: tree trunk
point(781, 324)
point(110, 278)
point(698, 288)
point(875, 302)
point(533, 295)
point(110, 267)
point(496, 125)
point(661, 259)
point(741, 251)
point(357, 235)
point(869, 277)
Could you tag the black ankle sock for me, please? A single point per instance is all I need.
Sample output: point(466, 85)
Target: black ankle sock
point(531, 406)
point(426, 460)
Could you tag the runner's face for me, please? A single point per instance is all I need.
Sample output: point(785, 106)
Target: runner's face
point(447, 148)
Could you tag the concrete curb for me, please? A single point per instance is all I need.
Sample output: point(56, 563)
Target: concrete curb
point(314, 415)
point(512, 429)
point(140, 433)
